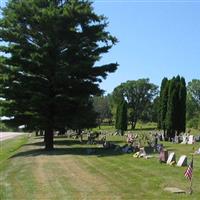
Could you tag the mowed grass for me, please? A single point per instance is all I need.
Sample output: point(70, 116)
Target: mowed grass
point(69, 172)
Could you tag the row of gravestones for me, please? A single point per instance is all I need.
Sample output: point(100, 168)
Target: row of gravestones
point(186, 139)
point(171, 159)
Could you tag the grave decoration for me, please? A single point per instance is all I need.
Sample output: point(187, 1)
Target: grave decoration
point(141, 154)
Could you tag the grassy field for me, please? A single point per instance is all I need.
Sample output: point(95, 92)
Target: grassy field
point(139, 126)
point(70, 172)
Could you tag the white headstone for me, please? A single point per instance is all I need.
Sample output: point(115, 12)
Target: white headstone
point(191, 139)
point(142, 152)
point(171, 158)
point(182, 161)
point(163, 137)
point(184, 139)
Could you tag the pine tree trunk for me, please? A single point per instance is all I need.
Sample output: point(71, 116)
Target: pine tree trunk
point(48, 139)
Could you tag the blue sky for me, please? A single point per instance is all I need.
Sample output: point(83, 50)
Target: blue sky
point(156, 39)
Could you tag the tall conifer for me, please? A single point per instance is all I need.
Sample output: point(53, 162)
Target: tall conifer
point(121, 117)
point(50, 72)
point(163, 103)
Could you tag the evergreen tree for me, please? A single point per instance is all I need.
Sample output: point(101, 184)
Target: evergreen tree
point(121, 117)
point(163, 103)
point(176, 103)
point(124, 119)
point(176, 107)
point(170, 115)
point(182, 101)
point(49, 71)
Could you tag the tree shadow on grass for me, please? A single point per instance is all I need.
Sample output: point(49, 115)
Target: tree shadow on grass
point(67, 142)
point(81, 151)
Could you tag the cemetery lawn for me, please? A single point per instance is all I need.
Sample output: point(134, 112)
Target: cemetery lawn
point(69, 172)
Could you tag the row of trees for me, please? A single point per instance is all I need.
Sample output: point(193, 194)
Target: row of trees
point(172, 108)
point(48, 70)
point(49, 75)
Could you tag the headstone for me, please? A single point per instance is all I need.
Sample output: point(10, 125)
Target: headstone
point(184, 139)
point(171, 158)
point(163, 156)
point(159, 147)
point(163, 136)
point(197, 152)
point(191, 139)
point(182, 161)
point(142, 152)
point(197, 138)
point(148, 149)
point(176, 139)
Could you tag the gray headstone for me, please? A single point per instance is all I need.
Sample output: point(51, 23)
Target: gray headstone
point(176, 139)
point(171, 158)
point(182, 161)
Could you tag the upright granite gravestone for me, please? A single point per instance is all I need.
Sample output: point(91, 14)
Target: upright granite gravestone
point(184, 139)
point(171, 158)
point(182, 161)
point(163, 156)
point(191, 139)
point(176, 139)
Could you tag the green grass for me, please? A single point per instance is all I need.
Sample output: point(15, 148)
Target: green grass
point(9, 147)
point(140, 126)
point(70, 173)
point(193, 131)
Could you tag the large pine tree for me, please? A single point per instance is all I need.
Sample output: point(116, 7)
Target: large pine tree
point(49, 70)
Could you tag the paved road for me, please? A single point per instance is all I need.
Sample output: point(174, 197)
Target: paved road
point(9, 135)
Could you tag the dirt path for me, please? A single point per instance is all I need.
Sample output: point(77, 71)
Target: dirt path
point(9, 135)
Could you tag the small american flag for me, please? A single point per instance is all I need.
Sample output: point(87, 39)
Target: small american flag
point(188, 172)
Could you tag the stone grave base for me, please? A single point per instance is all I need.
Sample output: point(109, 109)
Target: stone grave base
point(174, 190)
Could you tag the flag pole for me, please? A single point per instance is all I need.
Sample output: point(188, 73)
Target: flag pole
point(190, 192)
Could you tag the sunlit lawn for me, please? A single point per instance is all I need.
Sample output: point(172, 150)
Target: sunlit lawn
point(70, 172)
